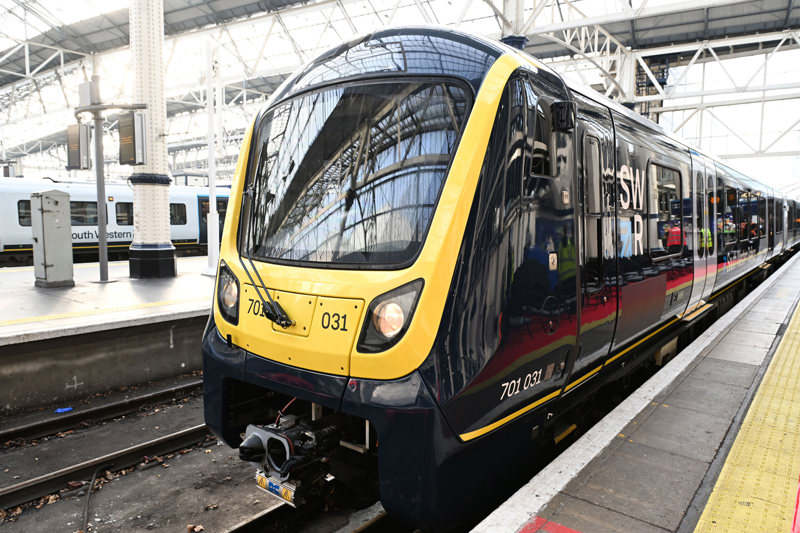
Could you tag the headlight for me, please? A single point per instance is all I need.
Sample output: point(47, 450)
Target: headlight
point(228, 294)
point(388, 318)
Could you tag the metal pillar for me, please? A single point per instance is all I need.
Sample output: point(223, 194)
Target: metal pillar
point(514, 15)
point(212, 219)
point(513, 18)
point(102, 223)
point(152, 254)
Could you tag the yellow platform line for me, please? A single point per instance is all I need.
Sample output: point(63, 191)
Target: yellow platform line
point(758, 485)
point(101, 311)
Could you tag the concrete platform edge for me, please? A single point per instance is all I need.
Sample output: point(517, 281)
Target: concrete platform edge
point(534, 496)
point(44, 331)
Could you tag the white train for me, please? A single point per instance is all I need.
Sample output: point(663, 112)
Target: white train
point(188, 208)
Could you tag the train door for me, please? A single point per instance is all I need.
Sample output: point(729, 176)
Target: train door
point(202, 209)
point(701, 231)
point(780, 224)
point(597, 237)
point(711, 218)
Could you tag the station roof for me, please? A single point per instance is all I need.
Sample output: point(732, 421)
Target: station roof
point(643, 28)
point(79, 28)
point(105, 31)
point(665, 25)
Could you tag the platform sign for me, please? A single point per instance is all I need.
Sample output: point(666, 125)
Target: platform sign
point(78, 147)
point(131, 139)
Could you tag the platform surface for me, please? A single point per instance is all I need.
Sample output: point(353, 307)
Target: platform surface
point(31, 313)
point(710, 443)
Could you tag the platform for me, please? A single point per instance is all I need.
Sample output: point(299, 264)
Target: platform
point(710, 443)
point(33, 313)
point(57, 344)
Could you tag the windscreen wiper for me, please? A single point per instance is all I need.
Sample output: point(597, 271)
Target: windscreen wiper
point(272, 310)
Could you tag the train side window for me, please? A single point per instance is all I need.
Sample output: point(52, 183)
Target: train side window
point(762, 215)
point(83, 213)
point(730, 217)
point(177, 214)
point(24, 212)
point(665, 232)
point(778, 214)
point(745, 225)
point(713, 219)
point(124, 213)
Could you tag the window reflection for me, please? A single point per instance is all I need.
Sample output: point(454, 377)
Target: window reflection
point(83, 213)
point(352, 174)
point(666, 234)
point(24, 212)
point(416, 52)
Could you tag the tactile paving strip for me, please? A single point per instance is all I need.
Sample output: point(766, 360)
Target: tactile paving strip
point(757, 487)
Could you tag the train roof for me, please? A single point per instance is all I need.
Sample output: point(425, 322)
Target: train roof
point(424, 51)
point(439, 51)
point(29, 185)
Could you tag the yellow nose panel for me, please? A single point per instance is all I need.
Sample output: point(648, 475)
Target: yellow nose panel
point(336, 321)
point(299, 307)
point(320, 340)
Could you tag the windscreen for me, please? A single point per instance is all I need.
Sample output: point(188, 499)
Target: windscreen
point(350, 175)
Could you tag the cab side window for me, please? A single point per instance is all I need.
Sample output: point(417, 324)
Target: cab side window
point(541, 142)
point(515, 148)
point(536, 180)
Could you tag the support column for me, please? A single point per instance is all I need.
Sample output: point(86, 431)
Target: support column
point(212, 219)
point(513, 14)
point(152, 254)
point(627, 77)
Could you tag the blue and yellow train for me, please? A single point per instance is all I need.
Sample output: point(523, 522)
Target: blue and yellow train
point(435, 247)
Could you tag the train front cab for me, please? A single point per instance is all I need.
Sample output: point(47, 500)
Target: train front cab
point(355, 233)
point(459, 399)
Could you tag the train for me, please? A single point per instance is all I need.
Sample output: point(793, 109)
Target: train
point(188, 209)
point(436, 248)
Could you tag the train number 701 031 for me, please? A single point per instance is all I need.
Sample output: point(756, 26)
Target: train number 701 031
point(515, 386)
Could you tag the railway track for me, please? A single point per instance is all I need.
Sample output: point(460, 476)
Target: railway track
point(55, 481)
point(69, 480)
point(65, 422)
point(113, 460)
